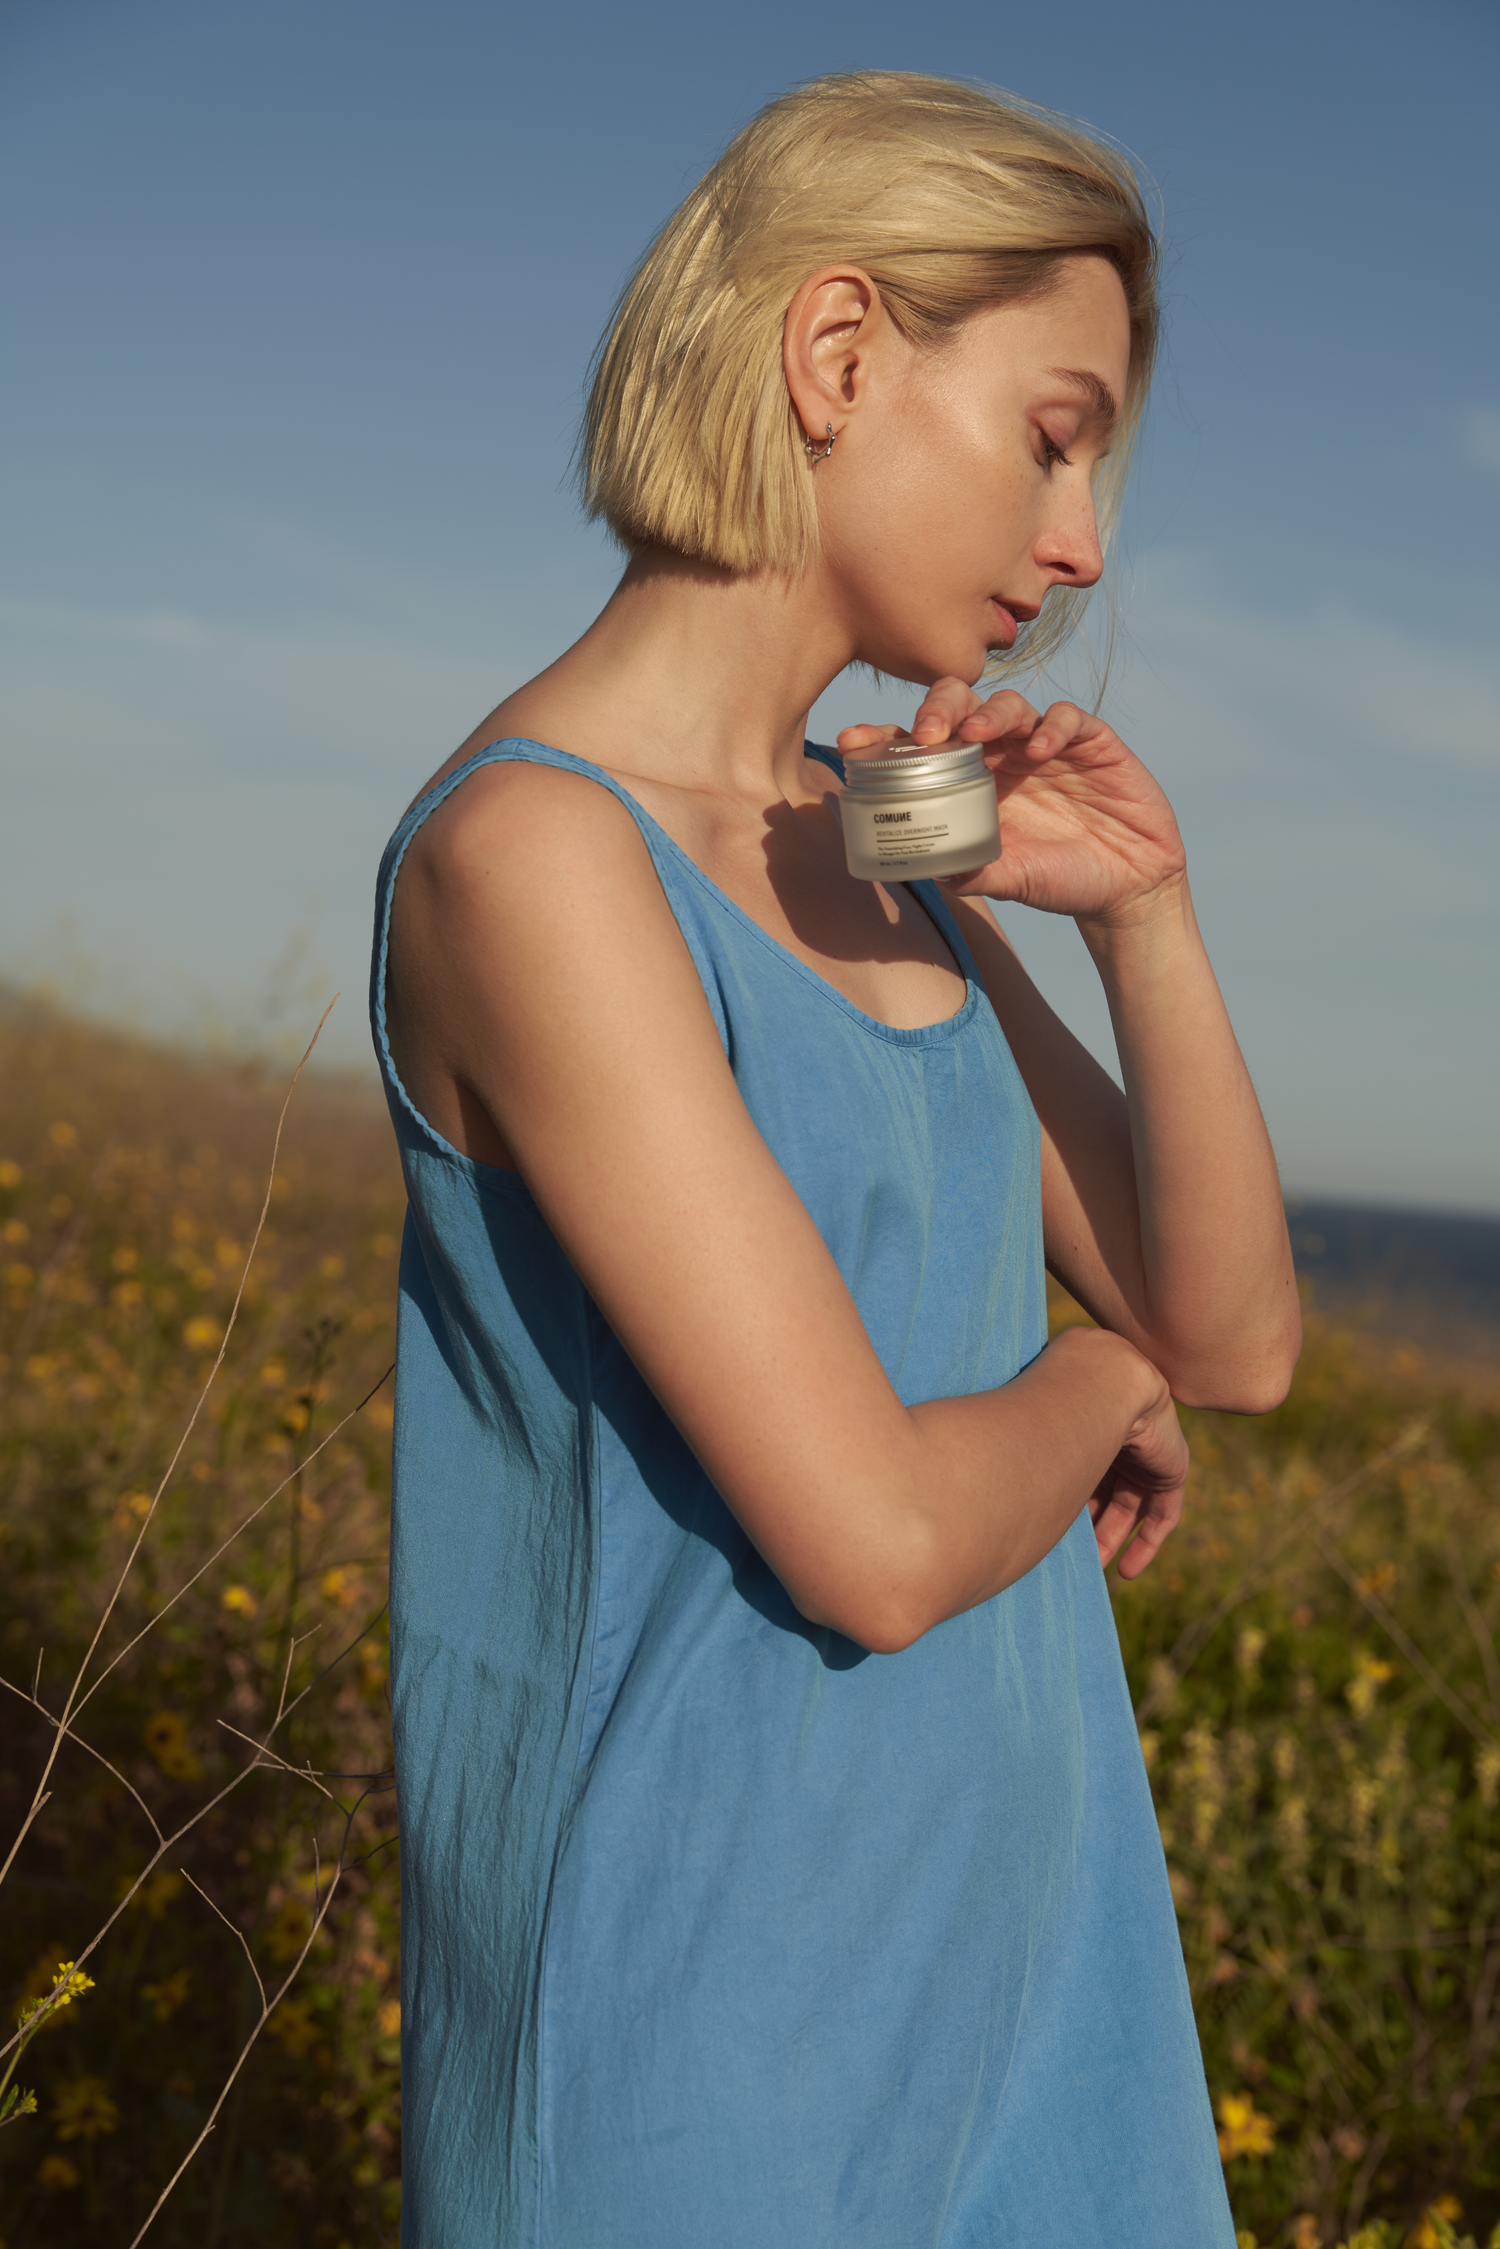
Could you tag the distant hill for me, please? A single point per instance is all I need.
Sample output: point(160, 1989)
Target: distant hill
point(1427, 1273)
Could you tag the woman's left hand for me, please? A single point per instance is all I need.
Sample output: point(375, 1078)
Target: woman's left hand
point(1085, 830)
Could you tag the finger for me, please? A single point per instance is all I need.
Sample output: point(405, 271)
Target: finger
point(1060, 724)
point(1116, 1514)
point(943, 709)
point(869, 741)
point(1160, 1513)
point(1006, 712)
point(992, 881)
point(1147, 1544)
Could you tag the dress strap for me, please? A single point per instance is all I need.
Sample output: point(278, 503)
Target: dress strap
point(830, 758)
point(670, 862)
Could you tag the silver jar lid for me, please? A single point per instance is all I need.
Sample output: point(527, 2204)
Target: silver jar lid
point(903, 770)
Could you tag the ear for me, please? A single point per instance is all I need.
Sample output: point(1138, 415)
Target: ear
point(836, 331)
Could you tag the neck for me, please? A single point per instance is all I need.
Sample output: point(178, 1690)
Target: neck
point(695, 676)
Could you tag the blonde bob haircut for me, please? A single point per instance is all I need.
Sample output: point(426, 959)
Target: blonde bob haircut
point(953, 198)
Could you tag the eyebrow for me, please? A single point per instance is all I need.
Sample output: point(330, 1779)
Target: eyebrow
point(1090, 386)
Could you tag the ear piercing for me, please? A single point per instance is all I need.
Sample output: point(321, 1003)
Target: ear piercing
point(811, 448)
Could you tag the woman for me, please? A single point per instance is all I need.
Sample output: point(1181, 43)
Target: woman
point(778, 1858)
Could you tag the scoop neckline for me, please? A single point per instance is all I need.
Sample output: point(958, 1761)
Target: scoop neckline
point(916, 1034)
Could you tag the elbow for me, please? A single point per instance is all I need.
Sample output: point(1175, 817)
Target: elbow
point(895, 1629)
point(1253, 1378)
point(883, 1624)
point(1246, 1397)
point(886, 1608)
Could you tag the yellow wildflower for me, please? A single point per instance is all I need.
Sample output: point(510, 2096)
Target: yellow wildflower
point(10, 1173)
point(1305, 2233)
point(166, 1738)
point(158, 1890)
point(166, 1997)
point(290, 1927)
point(1487, 1774)
point(57, 2174)
point(239, 1600)
point(202, 1334)
point(335, 1586)
point(1245, 2130)
point(69, 1983)
point(292, 2022)
point(1370, 1675)
point(332, 1266)
point(1247, 1652)
point(84, 2110)
point(63, 1135)
point(1434, 2229)
point(273, 1374)
point(374, 1668)
point(19, 1276)
point(388, 2018)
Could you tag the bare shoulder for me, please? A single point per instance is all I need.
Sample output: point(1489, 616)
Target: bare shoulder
point(515, 816)
point(533, 951)
point(534, 862)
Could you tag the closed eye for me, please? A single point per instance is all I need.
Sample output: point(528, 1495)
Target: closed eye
point(1053, 454)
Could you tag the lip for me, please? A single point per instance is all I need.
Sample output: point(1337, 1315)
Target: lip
point(1012, 615)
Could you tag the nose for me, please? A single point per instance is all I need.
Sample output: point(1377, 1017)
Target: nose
point(1068, 548)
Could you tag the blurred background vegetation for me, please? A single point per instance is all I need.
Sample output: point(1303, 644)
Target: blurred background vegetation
point(130, 1181)
point(1313, 1662)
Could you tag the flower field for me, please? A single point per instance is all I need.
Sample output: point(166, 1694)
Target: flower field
point(130, 1184)
point(1313, 1661)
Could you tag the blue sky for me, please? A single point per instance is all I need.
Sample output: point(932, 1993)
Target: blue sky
point(299, 297)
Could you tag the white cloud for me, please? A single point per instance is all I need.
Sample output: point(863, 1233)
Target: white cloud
point(190, 792)
point(1335, 779)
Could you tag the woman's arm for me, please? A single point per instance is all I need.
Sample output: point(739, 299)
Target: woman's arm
point(538, 976)
point(1162, 1209)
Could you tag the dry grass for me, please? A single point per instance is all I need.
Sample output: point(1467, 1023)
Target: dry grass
point(1314, 1661)
point(130, 1181)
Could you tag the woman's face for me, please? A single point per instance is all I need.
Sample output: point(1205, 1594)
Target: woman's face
point(959, 491)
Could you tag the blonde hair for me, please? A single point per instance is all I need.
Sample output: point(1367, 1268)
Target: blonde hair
point(953, 198)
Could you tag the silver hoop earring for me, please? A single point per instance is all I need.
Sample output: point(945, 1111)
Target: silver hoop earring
point(811, 449)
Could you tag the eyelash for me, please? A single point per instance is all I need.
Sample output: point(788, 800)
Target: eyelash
point(1053, 455)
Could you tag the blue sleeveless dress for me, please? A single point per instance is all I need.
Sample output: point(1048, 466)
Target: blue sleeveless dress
point(719, 1932)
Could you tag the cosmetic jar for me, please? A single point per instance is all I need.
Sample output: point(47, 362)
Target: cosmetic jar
point(919, 812)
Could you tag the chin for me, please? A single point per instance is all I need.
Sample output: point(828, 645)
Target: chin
point(921, 662)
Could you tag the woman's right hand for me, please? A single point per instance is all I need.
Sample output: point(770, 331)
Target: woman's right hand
point(1141, 1491)
point(537, 974)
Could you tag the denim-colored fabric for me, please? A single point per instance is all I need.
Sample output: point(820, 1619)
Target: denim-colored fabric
point(719, 1932)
